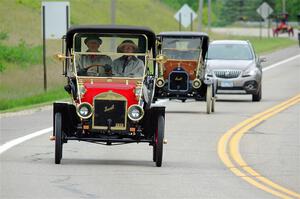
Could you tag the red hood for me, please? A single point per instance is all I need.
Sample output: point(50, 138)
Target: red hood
point(126, 90)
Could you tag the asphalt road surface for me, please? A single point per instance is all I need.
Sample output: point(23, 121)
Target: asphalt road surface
point(191, 167)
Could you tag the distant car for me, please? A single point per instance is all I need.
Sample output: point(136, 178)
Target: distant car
point(182, 76)
point(235, 67)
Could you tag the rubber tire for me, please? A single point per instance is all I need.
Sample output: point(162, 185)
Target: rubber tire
point(158, 140)
point(213, 105)
point(257, 97)
point(58, 138)
point(209, 99)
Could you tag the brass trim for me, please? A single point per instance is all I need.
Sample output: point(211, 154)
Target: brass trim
point(110, 95)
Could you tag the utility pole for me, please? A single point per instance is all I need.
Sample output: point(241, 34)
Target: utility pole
point(209, 15)
point(113, 21)
point(283, 6)
point(200, 15)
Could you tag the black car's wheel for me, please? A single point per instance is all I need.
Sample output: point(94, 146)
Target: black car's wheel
point(183, 100)
point(158, 141)
point(257, 97)
point(209, 99)
point(58, 138)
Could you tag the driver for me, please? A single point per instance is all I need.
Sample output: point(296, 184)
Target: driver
point(93, 64)
point(128, 65)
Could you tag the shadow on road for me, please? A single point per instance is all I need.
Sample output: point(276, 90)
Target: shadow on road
point(100, 162)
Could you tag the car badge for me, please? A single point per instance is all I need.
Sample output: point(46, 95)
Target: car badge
point(178, 78)
point(106, 109)
point(227, 73)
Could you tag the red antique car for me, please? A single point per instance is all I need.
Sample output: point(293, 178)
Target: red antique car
point(110, 72)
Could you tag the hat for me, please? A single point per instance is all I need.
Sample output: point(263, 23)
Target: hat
point(125, 43)
point(94, 38)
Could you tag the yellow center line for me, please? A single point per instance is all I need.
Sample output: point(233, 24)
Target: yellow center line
point(240, 167)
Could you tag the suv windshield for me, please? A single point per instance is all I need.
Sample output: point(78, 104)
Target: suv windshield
point(182, 47)
point(229, 52)
point(110, 55)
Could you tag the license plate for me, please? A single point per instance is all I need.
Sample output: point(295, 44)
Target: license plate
point(226, 84)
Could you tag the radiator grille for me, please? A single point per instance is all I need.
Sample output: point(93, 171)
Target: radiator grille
point(179, 81)
point(227, 74)
point(113, 111)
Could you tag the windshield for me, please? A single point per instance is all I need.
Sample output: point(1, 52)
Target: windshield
point(110, 55)
point(182, 47)
point(229, 52)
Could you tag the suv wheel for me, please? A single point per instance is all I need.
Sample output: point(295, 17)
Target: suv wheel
point(257, 97)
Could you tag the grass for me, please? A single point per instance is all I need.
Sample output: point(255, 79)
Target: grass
point(261, 46)
point(49, 96)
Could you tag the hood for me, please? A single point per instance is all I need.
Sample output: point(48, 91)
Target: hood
point(229, 64)
point(94, 89)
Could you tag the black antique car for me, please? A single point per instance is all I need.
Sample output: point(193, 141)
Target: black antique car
point(182, 76)
point(110, 73)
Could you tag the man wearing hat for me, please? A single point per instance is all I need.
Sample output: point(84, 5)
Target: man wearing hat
point(128, 65)
point(94, 64)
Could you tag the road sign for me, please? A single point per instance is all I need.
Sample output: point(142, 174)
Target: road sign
point(264, 10)
point(55, 16)
point(186, 14)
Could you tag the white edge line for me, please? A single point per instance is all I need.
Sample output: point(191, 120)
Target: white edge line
point(20, 140)
point(281, 62)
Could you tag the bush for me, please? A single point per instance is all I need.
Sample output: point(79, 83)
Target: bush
point(22, 54)
point(3, 35)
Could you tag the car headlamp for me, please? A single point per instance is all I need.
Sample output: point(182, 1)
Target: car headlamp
point(209, 73)
point(84, 110)
point(135, 112)
point(250, 72)
point(196, 83)
point(160, 82)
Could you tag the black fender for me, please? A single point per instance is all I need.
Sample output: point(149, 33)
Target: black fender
point(70, 118)
point(150, 119)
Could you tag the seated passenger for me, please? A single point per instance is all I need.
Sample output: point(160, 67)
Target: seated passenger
point(93, 64)
point(128, 65)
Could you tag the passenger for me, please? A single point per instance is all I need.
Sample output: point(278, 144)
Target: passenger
point(93, 64)
point(128, 65)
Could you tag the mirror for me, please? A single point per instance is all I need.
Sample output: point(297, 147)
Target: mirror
point(262, 59)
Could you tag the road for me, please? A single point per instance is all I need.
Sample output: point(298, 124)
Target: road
point(191, 167)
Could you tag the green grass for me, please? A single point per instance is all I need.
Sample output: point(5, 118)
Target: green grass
point(261, 46)
point(49, 96)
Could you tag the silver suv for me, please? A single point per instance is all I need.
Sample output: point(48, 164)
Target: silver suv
point(235, 67)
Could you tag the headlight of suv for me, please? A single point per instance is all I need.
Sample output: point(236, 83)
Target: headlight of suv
point(135, 112)
point(250, 72)
point(84, 110)
point(209, 72)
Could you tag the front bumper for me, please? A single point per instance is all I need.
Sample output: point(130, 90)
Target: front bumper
point(240, 85)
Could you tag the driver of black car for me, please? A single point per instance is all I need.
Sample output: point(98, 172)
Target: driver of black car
point(93, 64)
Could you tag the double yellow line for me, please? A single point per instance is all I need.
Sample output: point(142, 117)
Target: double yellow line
point(228, 151)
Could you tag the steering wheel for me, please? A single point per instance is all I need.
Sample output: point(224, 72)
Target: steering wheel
point(93, 65)
point(107, 71)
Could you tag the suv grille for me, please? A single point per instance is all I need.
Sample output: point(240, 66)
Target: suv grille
point(178, 81)
point(110, 110)
point(227, 74)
